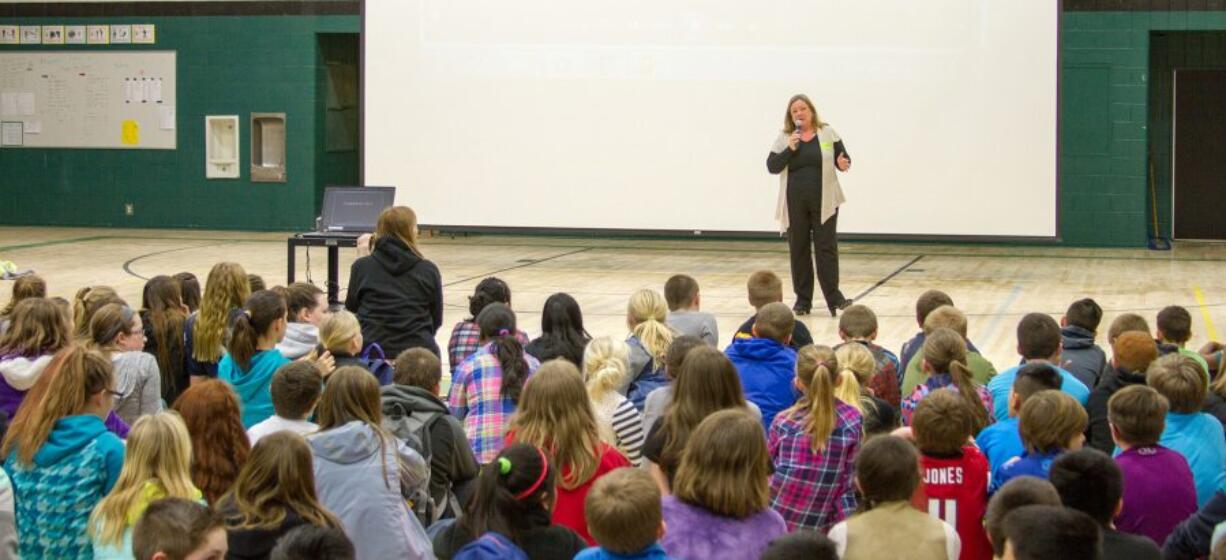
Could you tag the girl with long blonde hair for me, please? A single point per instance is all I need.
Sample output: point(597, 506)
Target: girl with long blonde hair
point(395, 292)
point(225, 290)
point(116, 331)
point(813, 445)
point(556, 415)
point(273, 494)
point(857, 366)
point(649, 339)
point(39, 330)
point(60, 456)
point(363, 473)
point(945, 363)
point(604, 368)
point(157, 464)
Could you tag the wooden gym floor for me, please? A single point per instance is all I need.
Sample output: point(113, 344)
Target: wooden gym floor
point(994, 285)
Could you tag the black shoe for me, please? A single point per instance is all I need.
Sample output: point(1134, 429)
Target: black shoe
point(802, 309)
point(839, 307)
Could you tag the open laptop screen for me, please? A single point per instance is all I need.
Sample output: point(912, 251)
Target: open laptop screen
point(354, 209)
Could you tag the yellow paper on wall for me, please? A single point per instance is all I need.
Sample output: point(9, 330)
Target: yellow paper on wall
point(130, 135)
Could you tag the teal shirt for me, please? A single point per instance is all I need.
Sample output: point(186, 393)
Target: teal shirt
point(253, 385)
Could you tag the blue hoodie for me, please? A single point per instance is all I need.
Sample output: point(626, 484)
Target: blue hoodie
point(767, 369)
point(1199, 438)
point(73, 470)
point(1002, 384)
point(253, 385)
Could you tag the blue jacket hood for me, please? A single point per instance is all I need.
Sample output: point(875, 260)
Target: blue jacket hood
point(68, 436)
point(1076, 338)
point(760, 350)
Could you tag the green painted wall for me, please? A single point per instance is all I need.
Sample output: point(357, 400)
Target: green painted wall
point(232, 65)
point(1115, 111)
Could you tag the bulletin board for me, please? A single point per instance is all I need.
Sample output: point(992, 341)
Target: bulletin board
point(87, 99)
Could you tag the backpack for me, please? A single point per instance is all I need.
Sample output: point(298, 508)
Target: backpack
point(375, 361)
point(413, 428)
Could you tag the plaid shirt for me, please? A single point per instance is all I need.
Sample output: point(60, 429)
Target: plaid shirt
point(476, 400)
point(937, 382)
point(885, 380)
point(466, 339)
point(812, 489)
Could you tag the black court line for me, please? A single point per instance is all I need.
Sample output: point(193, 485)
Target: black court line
point(888, 277)
point(127, 265)
point(517, 267)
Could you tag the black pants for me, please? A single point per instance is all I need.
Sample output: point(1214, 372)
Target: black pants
point(804, 224)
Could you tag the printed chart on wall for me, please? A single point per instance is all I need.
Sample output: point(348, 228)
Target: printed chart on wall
point(70, 99)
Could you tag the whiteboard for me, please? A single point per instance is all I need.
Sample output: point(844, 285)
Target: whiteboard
point(85, 99)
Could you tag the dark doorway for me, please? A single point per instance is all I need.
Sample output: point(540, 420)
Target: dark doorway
point(337, 99)
point(1200, 154)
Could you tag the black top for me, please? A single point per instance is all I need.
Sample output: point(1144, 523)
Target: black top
point(653, 450)
point(804, 164)
point(882, 419)
point(177, 371)
point(1123, 546)
point(800, 333)
point(543, 542)
point(548, 347)
point(1098, 430)
point(256, 544)
point(397, 296)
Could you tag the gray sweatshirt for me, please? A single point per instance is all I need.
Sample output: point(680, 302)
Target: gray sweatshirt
point(695, 323)
point(138, 378)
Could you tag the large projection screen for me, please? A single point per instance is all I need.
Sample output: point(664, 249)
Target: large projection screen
point(649, 115)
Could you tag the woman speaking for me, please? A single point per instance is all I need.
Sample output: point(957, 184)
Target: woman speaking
point(805, 157)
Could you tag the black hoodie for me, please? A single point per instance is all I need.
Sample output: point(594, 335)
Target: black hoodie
point(1098, 434)
point(397, 296)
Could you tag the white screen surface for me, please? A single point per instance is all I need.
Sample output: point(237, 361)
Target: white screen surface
point(650, 115)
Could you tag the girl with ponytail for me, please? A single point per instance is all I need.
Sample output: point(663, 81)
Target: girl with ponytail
point(857, 366)
point(513, 500)
point(466, 335)
point(649, 340)
point(485, 388)
point(620, 425)
point(813, 445)
point(946, 366)
point(252, 355)
point(60, 456)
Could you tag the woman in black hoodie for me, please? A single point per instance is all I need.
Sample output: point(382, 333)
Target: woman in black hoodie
point(395, 292)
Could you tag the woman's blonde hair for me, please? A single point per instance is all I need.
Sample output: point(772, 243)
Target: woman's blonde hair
point(815, 367)
point(399, 222)
point(945, 351)
point(338, 330)
point(725, 467)
point(856, 366)
point(789, 126)
point(225, 289)
point(556, 415)
point(38, 327)
point(88, 301)
point(74, 376)
point(646, 313)
point(279, 477)
point(159, 451)
point(604, 365)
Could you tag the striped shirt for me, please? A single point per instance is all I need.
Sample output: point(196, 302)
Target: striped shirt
point(813, 489)
point(476, 400)
point(621, 425)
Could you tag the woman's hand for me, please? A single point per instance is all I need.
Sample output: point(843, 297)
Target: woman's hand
point(843, 163)
point(794, 140)
point(364, 244)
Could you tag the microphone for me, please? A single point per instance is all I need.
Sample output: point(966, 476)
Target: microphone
point(799, 124)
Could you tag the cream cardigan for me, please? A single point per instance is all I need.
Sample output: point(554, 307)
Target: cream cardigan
point(832, 193)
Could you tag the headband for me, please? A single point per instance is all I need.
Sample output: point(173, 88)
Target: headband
point(505, 467)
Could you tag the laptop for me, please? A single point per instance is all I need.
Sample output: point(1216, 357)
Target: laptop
point(352, 211)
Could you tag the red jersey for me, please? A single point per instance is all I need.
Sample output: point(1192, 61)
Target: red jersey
point(956, 492)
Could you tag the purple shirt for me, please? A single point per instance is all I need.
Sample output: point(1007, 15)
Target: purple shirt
point(695, 532)
point(1159, 491)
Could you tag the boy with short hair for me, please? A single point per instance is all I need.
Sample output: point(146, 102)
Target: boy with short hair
point(1050, 423)
point(1038, 340)
point(1131, 354)
point(925, 304)
point(801, 545)
point(295, 390)
point(412, 409)
point(1002, 441)
point(954, 473)
point(1174, 330)
point(1192, 433)
point(1019, 492)
point(624, 516)
point(858, 324)
point(684, 316)
point(765, 287)
point(1078, 328)
point(1047, 532)
point(948, 317)
point(765, 363)
point(308, 542)
point(1159, 491)
point(178, 529)
point(1090, 482)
